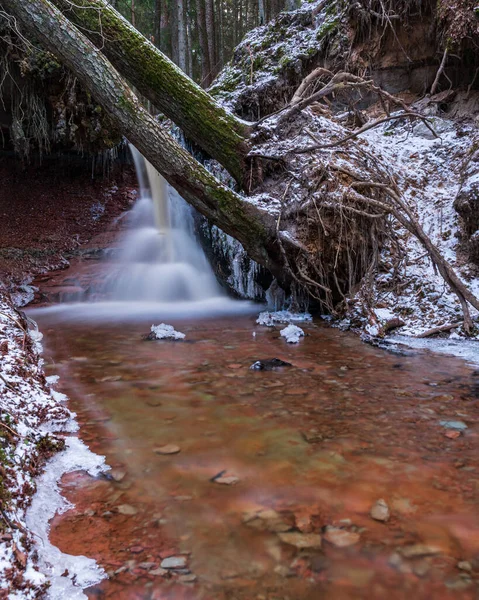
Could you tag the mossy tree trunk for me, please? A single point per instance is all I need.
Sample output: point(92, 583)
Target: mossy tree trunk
point(155, 76)
point(223, 207)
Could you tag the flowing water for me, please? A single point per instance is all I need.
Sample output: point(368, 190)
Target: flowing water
point(265, 487)
point(318, 443)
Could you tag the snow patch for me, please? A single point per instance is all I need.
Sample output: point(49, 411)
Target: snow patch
point(270, 319)
point(48, 501)
point(166, 332)
point(292, 334)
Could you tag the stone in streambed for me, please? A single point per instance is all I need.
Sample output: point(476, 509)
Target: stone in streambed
point(117, 475)
point(167, 449)
point(269, 364)
point(380, 511)
point(127, 509)
point(174, 562)
point(340, 537)
point(301, 540)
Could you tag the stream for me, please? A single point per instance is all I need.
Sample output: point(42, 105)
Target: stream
point(267, 480)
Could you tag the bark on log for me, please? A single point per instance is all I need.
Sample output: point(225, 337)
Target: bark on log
point(232, 213)
point(155, 76)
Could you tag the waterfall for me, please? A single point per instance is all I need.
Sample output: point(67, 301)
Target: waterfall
point(162, 261)
point(160, 270)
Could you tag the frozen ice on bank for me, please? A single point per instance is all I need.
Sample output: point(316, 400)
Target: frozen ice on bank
point(292, 333)
point(166, 332)
point(270, 319)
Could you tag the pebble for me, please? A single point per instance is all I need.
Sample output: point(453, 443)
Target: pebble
point(458, 425)
point(416, 550)
point(159, 572)
point(117, 474)
point(168, 449)
point(453, 434)
point(301, 540)
point(464, 565)
point(226, 480)
point(380, 511)
point(127, 509)
point(340, 537)
point(173, 562)
point(136, 549)
point(147, 566)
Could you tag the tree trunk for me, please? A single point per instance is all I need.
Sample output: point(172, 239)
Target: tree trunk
point(204, 121)
point(229, 211)
point(205, 59)
point(210, 35)
point(181, 35)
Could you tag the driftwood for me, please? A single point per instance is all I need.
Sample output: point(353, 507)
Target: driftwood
point(440, 329)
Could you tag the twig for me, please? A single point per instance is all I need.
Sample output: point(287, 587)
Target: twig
point(440, 71)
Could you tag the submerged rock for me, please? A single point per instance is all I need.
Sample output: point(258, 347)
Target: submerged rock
point(301, 540)
point(173, 562)
point(380, 511)
point(340, 537)
point(269, 364)
point(167, 449)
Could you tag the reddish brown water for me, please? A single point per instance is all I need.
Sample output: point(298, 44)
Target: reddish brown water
point(319, 443)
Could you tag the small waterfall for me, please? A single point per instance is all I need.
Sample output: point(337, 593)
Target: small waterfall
point(161, 260)
point(160, 270)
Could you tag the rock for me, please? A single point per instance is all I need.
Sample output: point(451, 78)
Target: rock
point(283, 571)
point(380, 511)
point(340, 537)
point(167, 449)
point(453, 434)
point(117, 474)
point(174, 562)
point(148, 566)
point(159, 572)
point(312, 436)
point(127, 509)
point(458, 425)
point(226, 480)
point(301, 540)
point(136, 549)
point(464, 565)
point(303, 523)
point(417, 550)
point(269, 364)
point(421, 568)
point(164, 332)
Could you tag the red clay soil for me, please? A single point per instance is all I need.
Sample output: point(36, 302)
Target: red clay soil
point(47, 212)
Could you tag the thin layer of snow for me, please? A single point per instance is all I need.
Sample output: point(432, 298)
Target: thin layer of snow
point(270, 319)
point(48, 501)
point(292, 333)
point(428, 173)
point(32, 410)
point(166, 332)
point(467, 350)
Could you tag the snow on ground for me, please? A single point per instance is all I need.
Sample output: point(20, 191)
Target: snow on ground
point(30, 412)
point(428, 172)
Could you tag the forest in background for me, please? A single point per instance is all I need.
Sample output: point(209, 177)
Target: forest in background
point(199, 35)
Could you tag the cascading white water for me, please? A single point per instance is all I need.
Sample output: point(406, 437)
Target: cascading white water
point(162, 261)
point(161, 271)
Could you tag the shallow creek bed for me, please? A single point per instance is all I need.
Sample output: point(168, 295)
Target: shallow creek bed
point(351, 473)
